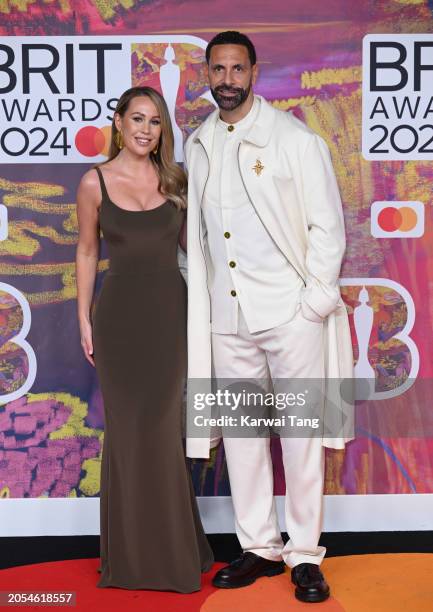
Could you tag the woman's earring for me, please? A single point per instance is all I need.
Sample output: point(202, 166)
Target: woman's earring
point(155, 150)
point(119, 140)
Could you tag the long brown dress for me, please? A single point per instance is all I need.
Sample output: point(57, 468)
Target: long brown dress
point(151, 533)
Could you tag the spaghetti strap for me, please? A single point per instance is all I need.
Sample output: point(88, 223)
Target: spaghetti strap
point(104, 191)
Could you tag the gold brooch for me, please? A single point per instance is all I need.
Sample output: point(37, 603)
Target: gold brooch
point(258, 167)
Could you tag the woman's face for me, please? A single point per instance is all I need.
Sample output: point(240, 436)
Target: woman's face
point(140, 126)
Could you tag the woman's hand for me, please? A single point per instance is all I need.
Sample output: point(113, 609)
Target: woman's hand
point(88, 200)
point(86, 341)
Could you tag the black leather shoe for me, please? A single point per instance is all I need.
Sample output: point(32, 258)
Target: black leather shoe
point(310, 584)
point(245, 570)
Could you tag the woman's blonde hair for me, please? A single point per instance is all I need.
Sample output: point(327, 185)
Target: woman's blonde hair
point(172, 179)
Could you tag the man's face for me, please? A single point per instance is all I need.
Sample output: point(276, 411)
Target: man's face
point(231, 75)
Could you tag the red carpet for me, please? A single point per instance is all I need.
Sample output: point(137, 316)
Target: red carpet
point(81, 576)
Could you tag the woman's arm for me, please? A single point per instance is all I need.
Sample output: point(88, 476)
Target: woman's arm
point(86, 262)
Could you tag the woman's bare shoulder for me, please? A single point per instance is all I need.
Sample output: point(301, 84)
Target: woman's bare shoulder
point(89, 187)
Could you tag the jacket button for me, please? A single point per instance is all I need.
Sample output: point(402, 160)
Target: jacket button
point(233, 293)
point(231, 128)
point(232, 264)
point(226, 234)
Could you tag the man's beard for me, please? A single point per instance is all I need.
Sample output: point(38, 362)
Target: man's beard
point(232, 102)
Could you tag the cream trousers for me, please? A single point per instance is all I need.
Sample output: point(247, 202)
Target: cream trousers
point(292, 350)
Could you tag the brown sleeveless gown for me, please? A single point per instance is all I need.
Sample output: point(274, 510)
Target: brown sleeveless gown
point(151, 533)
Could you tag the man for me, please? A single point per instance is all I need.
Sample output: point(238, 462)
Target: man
point(265, 244)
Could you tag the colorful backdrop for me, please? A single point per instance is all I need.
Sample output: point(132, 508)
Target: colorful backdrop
point(310, 59)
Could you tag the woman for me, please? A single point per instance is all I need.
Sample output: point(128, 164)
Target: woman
point(151, 534)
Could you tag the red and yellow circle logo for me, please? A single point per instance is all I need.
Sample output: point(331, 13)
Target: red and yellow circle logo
point(397, 219)
point(391, 219)
point(91, 141)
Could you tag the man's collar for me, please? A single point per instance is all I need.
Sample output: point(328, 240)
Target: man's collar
point(259, 134)
point(205, 132)
point(244, 124)
point(261, 131)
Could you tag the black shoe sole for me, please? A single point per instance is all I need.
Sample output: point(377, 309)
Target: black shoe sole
point(305, 598)
point(268, 574)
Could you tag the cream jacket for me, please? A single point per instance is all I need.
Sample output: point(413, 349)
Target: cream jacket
point(296, 196)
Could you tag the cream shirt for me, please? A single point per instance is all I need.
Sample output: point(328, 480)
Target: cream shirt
point(245, 267)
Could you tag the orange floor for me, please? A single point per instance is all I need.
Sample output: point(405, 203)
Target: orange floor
point(362, 583)
point(359, 583)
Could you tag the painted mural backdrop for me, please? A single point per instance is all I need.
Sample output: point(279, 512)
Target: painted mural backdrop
point(310, 56)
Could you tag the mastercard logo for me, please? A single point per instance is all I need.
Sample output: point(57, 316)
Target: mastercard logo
point(91, 141)
point(397, 219)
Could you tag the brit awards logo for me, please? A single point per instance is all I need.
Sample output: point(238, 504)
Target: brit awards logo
point(18, 368)
point(396, 97)
point(58, 94)
point(386, 356)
